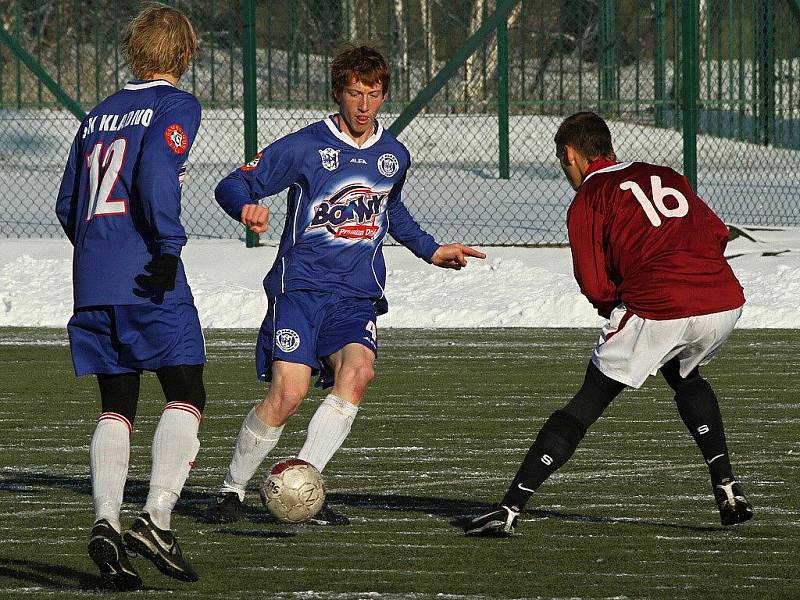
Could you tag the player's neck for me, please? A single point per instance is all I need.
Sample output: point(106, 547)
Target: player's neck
point(344, 128)
point(165, 76)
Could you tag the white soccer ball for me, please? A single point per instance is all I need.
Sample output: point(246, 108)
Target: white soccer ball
point(293, 491)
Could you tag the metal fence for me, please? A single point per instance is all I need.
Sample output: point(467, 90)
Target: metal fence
point(725, 109)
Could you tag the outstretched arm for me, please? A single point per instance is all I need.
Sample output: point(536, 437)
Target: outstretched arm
point(454, 256)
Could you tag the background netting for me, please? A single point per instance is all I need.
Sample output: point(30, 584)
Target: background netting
point(622, 59)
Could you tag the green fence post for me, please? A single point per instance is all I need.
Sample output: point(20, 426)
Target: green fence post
point(689, 66)
point(659, 60)
point(29, 61)
point(766, 72)
point(502, 98)
point(471, 44)
point(18, 71)
point(249, 96)
point(608, 58)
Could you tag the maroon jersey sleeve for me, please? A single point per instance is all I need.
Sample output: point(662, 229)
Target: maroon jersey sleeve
point(585, 230)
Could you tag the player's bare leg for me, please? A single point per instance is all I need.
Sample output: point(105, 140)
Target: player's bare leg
point(353, 368)
point(260, 432)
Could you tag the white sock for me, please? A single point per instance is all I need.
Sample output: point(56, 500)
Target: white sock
point(108, 457)
point(175, 447)
point(256, 440)
point(327, 430)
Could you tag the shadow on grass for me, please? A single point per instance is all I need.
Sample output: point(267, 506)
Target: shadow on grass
point(193, 504)
point(255, 533)
point(48, 576)
point(459, 510)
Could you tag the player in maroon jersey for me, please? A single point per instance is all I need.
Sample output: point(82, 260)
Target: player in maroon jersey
point(648, 254)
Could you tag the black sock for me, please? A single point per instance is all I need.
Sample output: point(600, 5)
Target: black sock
point(561, 434)
point(554, 445)
point(698, 407)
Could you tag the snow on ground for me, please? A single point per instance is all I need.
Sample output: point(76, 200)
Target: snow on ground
point(513, 287)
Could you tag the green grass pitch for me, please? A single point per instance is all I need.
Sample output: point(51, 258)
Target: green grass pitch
point(443, 428)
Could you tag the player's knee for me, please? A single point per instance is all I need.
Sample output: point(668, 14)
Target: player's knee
point(119, 394)
point(183, 383)
point(692, 389)
point(355, 376)
point(566, 426)
point(285, 397)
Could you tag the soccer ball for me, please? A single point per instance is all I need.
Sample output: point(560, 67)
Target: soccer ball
point(293, 491)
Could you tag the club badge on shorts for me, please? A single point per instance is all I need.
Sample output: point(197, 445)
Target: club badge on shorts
point(287, 340)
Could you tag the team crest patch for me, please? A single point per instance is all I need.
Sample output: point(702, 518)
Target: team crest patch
point(252, 164)
point(287, 340)
point(330, 158)
point(388, 164)
point(176, 138)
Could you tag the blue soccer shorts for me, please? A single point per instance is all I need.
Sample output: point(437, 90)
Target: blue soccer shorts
point(306, 326)
point(129, 338)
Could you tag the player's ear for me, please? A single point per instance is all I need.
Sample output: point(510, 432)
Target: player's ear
point(569, 155)
point(566, 155)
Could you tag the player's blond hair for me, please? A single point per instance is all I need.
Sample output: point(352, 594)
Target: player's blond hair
point(160, 39)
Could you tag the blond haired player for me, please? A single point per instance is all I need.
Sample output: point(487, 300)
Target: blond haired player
point(119, 204)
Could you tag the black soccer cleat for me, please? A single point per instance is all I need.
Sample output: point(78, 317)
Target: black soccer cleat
point(225, 507)
point(108, 552)
point(160, 547)
point(733, 507)
point(328, 516)
point(498, 523)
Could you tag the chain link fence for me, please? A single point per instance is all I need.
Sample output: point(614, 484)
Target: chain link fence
point(621, 58)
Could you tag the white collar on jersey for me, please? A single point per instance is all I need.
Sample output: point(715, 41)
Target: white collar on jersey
point(617, 167)
point(131, 85)
point(371, 140)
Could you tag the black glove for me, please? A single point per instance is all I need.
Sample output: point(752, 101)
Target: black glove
point(163, 270)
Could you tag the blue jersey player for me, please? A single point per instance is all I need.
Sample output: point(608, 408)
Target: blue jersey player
point(345, 176)
point(119, 204)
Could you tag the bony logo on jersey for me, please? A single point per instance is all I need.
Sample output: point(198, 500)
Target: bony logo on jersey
point(330, 158)
point(388, 164)
point(351, 213)
point(287, 340)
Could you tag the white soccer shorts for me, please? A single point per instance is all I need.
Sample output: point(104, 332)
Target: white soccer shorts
point(631, 348)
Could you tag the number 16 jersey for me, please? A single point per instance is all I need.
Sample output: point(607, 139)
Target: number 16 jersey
point(640, 235)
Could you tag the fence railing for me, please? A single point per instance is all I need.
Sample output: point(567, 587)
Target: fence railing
point(627, 59)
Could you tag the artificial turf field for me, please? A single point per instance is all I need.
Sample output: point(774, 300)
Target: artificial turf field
point(442, 430)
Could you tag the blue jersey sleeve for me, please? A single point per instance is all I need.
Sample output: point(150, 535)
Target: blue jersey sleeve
point(405, 229)
point(67, 201)
point(164, 151)
point(273, 169)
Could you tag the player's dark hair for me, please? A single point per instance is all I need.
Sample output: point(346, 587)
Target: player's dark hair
point(587, 133)
point(358, 63)
point(160, 39)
